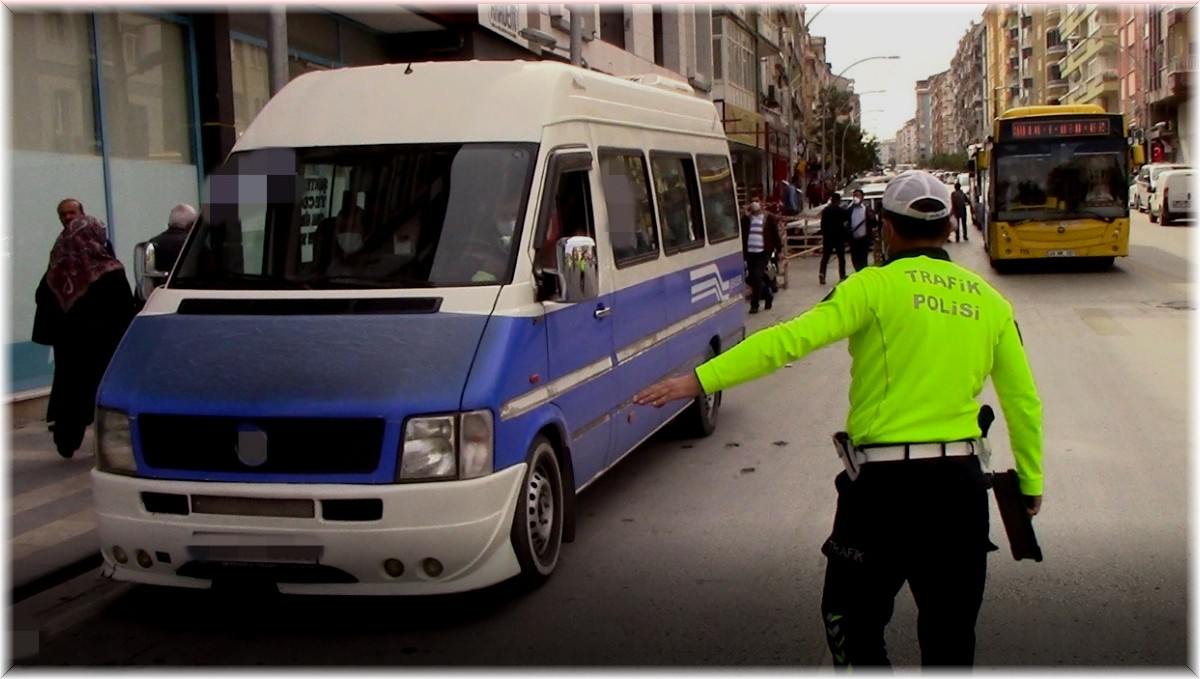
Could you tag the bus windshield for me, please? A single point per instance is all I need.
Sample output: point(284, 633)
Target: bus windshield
point(1061, 179)
point(396, 216)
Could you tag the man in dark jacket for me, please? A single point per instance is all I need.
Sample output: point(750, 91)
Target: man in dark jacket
point(959, 206)
point(760, 240)
point(833, 236)
point(169, 243)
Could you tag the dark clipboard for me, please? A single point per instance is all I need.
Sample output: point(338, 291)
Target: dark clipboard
point(1018, 524)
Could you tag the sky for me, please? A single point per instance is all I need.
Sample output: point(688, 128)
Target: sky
point(925, 37)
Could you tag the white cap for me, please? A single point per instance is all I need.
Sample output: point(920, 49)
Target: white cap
point(914, 185)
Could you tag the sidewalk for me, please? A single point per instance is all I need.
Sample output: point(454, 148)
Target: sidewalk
point(52, 520)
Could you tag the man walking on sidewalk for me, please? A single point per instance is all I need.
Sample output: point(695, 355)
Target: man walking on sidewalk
point(760, 240)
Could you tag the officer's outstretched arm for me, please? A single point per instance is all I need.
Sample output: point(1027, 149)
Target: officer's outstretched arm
point(1022, 407)
point(841, 314)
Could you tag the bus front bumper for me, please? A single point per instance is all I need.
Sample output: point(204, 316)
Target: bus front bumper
point(429, 538)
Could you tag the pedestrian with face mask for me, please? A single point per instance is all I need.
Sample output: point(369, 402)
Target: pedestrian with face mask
point(913, 502)
point(862, 226)
point(760, 242)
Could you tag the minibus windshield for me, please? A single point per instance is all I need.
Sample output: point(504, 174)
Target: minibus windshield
point(1061, 180)
point(395, 216)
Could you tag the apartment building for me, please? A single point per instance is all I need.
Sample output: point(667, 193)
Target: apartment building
point(924, 118)
point(1090, 65)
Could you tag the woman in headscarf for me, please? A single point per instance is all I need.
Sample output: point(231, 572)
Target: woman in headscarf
point(84, 305)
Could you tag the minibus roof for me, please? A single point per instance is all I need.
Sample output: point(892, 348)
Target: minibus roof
point(467, 101)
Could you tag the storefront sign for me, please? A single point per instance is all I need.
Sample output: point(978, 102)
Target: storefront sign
point(506, 20)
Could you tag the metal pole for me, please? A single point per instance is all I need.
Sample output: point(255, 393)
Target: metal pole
point(576, 35)
point(277, 47)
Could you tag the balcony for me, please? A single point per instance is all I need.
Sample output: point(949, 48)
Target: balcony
point(1056, 50)
point(1179, 74)
point(1053, 13)
point(1056, 86)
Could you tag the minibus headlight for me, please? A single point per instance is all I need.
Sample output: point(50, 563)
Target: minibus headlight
point(477, 436)
point(428, 450)
point(114, 444)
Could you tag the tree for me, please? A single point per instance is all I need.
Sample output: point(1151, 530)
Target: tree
point(862, 153)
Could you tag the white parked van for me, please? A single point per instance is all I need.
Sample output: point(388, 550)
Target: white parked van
point(408, 327)
point(1172, 200)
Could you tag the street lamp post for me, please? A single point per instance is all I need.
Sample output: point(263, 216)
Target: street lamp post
point(823, 97)
point(842, 163)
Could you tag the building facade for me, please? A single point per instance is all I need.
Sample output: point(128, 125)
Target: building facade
point(1090, 65)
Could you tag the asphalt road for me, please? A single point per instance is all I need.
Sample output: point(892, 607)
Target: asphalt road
point(704, 554)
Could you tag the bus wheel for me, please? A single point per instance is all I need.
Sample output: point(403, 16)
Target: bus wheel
point(700, 418)
point(1166, 217)
point(538, 523)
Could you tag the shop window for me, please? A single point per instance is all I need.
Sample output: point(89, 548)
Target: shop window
point(52, 79)
point(152, 77)
point(251, 83)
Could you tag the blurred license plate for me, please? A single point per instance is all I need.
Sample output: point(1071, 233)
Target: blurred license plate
point(1060, 253)
point(1179, 205)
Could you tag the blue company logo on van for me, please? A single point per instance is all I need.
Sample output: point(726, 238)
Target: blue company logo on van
point(707, 282)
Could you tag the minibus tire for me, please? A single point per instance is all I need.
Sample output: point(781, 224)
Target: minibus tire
point(700, 418)
point(537, 528)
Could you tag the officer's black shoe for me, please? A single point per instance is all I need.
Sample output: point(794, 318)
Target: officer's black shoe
point(66, 452)
point(753, 309)
point(821, 279)
point(767, 305)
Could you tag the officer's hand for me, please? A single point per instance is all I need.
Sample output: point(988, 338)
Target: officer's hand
point(673, 388)
point(1033, 504)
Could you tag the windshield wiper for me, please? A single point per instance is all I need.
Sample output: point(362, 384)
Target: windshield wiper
point(1076, 214)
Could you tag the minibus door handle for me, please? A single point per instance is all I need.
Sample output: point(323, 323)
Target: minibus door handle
point(602, 311)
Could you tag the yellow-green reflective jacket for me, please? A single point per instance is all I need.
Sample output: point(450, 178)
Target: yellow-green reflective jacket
point(924, 335)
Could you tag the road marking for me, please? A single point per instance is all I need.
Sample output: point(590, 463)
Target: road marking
point(1101, 322)
point(52, 533)
point(51, 493)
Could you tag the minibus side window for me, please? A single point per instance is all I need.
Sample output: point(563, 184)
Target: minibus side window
point(631, 225)
point(570, 215)
point(678, 201)
point(720, 204)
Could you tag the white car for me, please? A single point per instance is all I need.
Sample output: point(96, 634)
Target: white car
point(1172, 198)
point(1147, 181)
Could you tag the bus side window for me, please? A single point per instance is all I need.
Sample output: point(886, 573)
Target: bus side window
point(678, 201)
point(631, 227)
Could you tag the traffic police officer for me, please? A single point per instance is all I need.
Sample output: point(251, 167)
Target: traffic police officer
point(924, 336)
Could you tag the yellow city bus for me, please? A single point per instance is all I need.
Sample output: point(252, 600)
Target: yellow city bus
point(1057, 185)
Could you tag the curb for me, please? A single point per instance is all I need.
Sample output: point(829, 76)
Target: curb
point(56, 577)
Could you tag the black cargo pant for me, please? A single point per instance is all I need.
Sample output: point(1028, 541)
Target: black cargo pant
point(924, 522)
point(756, 274)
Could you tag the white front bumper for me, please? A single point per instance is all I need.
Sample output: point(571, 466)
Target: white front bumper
point(465, 525)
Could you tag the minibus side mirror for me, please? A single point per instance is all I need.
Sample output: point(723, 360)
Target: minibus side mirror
point(578, 280)
point(145, 272)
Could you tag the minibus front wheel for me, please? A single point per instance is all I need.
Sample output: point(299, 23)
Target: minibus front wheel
point(700, 418)
point(537, 529)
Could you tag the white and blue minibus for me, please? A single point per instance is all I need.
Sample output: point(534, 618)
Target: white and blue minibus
point(406, 330)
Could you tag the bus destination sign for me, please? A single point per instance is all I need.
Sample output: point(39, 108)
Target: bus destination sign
point(1084, 127)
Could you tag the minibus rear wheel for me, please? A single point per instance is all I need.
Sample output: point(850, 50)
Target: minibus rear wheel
point(538, 523)
point(700, 418)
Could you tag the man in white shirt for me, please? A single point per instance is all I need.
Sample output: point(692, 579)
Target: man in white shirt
point(862, 227)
